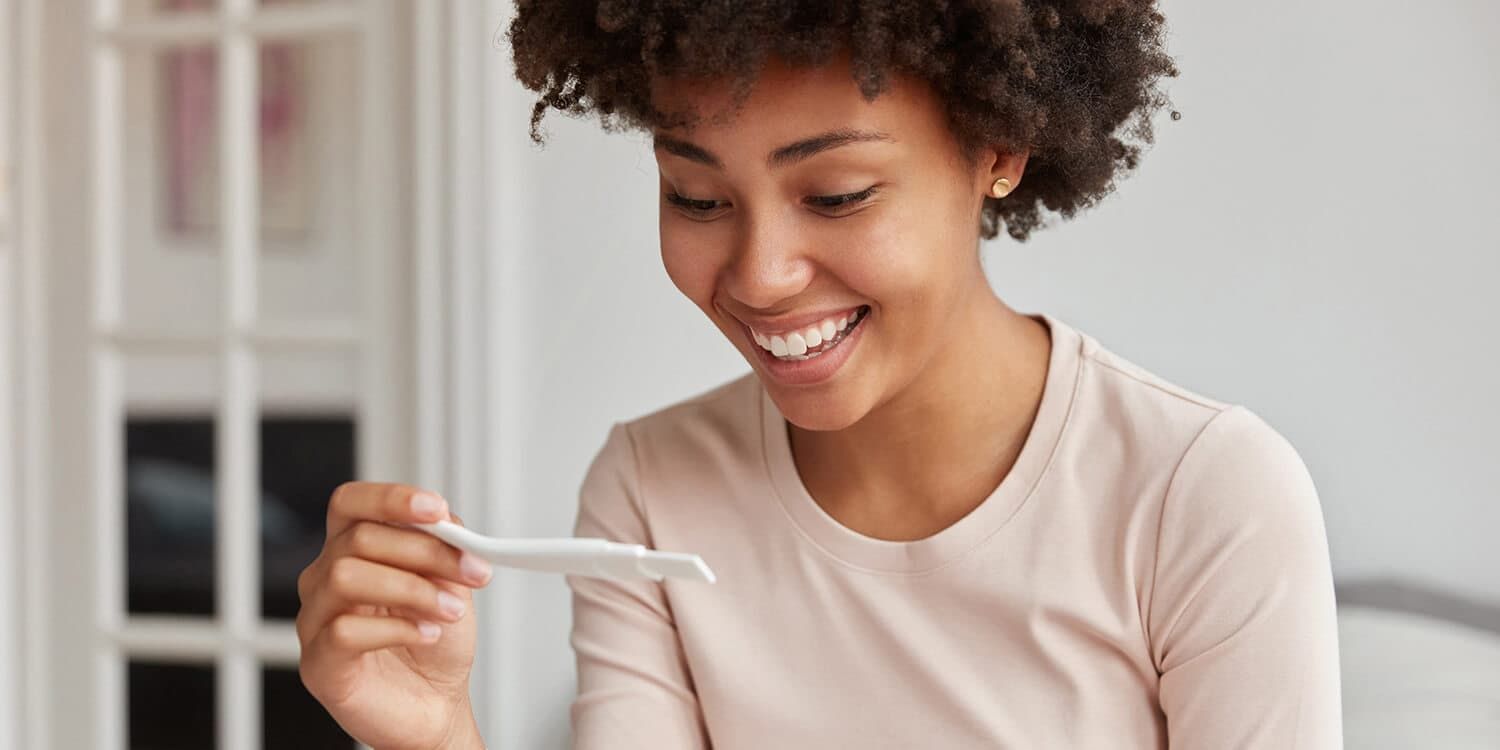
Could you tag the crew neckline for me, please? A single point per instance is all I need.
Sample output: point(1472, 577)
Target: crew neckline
point(924, 555)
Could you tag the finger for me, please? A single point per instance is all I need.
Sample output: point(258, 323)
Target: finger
point(471, 564)
point(350, 635)
point(351, 581)
point(387, 503)
point(411, 550)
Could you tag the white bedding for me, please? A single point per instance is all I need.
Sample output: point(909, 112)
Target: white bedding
point(1412, 682)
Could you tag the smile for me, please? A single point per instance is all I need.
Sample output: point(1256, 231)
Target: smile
point(813, 340)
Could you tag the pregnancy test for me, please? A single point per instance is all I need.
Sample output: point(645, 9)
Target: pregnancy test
point(579, 556)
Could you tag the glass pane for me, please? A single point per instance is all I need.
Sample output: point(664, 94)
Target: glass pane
point(303, 458)
point(171, 255)
point(151, 7)
point(171, 707)
point(294, 719)
point(307, 448)
point(169, 484)
point(309, 179)
point(169, 480)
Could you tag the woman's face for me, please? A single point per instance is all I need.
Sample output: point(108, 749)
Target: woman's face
point(838, 233)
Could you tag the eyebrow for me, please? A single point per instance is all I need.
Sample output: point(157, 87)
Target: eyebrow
point(781, 157)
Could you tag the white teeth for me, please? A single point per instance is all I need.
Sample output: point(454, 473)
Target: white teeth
point(798, 345)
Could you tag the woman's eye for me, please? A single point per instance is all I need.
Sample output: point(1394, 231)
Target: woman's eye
point(700, 207)
point(842, 201)
point(692, 205)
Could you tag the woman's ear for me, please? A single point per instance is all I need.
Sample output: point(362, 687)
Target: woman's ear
point(1007, 163)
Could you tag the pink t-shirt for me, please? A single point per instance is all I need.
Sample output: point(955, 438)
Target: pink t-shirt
point(1152, 572)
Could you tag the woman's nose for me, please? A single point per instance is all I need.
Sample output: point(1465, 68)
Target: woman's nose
point(767, 265)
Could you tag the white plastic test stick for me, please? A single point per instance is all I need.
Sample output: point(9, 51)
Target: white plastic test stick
point(597, 558)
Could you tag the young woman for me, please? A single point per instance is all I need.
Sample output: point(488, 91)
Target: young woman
point(937, 522)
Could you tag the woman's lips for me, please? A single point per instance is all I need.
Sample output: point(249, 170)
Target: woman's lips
point(808, 340)
point(824, 361)
point(787, 324)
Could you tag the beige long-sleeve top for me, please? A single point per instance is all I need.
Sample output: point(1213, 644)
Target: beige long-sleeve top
point(1153, 572)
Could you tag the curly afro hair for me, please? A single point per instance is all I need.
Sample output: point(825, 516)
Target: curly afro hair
point(1076, 81)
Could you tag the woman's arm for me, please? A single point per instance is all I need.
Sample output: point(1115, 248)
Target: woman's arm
point(633, 685)
point(1241, 612)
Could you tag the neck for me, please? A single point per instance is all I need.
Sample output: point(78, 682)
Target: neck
point(934, 451)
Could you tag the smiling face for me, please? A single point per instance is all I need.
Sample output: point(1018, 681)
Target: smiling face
point(839, 233)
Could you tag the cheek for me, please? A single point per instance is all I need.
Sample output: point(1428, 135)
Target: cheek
point(887, 260)
point(690, 264)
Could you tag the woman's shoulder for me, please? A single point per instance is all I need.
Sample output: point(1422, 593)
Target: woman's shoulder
point(1133, 383)
point(1126, 403)
point(1203, 446)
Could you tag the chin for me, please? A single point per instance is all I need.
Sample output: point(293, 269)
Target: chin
point(824, 390)
point(818, 410)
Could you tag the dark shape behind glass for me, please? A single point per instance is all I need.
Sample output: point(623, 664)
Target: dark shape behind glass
point(294, 720)
point(171, 707)
point(169, 481)
point(302, 460)
point(169, 515)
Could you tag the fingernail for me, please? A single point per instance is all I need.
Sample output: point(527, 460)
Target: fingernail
point(474, 568)
point(450, 605)
point(424, 504)
point(429, 630)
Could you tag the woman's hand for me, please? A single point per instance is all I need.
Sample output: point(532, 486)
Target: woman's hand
point(387, 624)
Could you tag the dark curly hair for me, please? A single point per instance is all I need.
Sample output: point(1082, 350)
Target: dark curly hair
point(1074, 80)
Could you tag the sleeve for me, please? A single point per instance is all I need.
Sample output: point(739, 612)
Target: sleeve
point(1241, 615)
point(634, 690)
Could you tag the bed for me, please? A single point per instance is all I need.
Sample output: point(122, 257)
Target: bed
point(1420, 668)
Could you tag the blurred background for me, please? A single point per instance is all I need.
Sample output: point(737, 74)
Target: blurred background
point(252, 248)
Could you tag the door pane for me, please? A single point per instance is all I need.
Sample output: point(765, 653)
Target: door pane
point(170, 215)
point(307, 448)
point(303, 458)
point(171, 707)
point(309, 180)
point(293, 719)
point(169, 480)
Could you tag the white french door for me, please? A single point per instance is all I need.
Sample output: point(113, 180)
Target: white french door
point(227, 339)
point(10, 558)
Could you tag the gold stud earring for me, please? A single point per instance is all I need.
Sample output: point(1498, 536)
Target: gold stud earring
point(1001, 188)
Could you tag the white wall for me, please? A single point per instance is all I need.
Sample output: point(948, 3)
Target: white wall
point(1312, 239)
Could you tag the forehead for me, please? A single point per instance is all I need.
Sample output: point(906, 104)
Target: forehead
point(786, 103)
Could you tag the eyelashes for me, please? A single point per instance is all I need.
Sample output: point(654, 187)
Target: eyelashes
point(691, 204)
point(703, 207)
point(834, 201)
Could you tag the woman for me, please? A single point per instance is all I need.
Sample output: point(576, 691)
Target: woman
point(937, 522)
